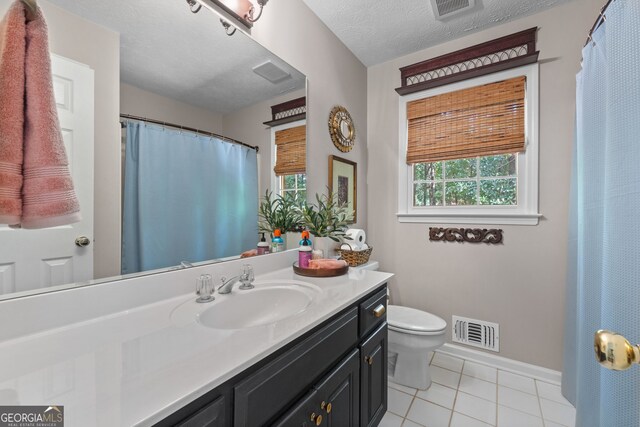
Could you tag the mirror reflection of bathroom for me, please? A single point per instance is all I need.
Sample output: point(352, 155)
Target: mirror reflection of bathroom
point(166, 141)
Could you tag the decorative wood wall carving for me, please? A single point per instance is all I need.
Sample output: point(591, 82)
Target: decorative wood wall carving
point(499, 54)
point(470, 235)
point(287, 112)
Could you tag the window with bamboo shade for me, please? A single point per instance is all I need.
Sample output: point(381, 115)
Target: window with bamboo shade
point(291, 151)
point(470, 151)
point(478, 121)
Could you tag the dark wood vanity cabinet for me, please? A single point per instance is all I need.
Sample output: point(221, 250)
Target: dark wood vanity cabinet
point(335, 375)
point(332, 402)
point(373, 378)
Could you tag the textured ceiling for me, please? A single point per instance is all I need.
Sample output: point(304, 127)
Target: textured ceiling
point(166, 49)
point(380, 30)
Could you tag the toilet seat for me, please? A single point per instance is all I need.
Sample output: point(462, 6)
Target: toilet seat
point(416, 322)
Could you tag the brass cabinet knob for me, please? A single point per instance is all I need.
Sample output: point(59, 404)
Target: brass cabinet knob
point(83, 241)
point(317, 419)
point(613, 351)
point(379, 310)
point(369, 360)
point(328, 408)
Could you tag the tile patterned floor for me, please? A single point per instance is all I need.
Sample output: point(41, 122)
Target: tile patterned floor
point(468, 394)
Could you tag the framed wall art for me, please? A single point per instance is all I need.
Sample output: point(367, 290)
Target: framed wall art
point(343, 175)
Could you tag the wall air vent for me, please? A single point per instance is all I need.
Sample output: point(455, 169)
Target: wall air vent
point(446, 8)
point(271, 72)
point(476, 333)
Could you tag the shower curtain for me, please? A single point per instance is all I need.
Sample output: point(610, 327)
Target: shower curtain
point(603, 289)
point(187, 197)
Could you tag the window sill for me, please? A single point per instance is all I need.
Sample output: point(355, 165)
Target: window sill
point(491, 218)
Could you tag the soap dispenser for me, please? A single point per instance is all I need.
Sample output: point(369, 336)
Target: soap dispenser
point(304, 253)
point(263, 246)
point(277, 244)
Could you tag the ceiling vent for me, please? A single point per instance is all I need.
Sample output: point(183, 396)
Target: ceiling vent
point(443, 9)
point(271, 72)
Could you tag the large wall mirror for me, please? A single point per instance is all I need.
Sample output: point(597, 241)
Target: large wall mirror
point(160, 111)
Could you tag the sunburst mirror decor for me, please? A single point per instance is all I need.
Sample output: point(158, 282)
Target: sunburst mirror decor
point(341, 128)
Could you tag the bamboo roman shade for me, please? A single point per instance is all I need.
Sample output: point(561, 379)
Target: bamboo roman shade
point(291, 151)
point(479, 121)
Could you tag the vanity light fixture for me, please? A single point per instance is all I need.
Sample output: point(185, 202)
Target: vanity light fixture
point(249, 15)
point(194, 6)
point(226, 26)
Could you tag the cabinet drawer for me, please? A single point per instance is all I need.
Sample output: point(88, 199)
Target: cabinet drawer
point(264, 394)
point(373, 312)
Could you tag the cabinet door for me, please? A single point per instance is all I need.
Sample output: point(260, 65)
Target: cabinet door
point(304, 413)
point(263, 395)
point(373, 378)
point(340, 393)
point(212, 415)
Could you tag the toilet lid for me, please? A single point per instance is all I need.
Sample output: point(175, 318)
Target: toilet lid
point(412, 320)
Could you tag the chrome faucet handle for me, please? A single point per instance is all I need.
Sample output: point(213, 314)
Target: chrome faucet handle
point(204, 288)
point(247, 277)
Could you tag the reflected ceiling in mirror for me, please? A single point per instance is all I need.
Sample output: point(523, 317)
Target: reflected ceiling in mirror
point(166, 54)
point(168, 50)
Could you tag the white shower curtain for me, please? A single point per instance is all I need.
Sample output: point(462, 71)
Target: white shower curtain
point(604, 249)
point(187, 197)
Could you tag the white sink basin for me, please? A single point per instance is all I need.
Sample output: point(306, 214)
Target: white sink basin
point(267, 303)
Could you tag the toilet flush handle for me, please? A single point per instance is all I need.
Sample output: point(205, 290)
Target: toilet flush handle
point(379, 310)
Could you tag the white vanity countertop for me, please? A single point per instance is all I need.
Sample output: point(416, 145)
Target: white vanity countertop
point(138, 366)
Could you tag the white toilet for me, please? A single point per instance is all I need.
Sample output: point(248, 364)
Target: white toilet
point(412, 335)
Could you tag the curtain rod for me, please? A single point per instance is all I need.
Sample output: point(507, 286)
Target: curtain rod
point(198, 131)
point(599, 21)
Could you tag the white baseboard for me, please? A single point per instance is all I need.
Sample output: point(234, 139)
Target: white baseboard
point(514, 366)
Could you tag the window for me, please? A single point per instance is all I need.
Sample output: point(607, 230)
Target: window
point(293, 184)
point(469, 151)
point(289, 159)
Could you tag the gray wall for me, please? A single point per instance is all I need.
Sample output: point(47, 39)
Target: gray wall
point(246, 125)
point(335, 77)
point(520, 284)
point(140, 102)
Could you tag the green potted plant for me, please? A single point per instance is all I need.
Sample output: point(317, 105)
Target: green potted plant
point(327, 221)
point(282, 212)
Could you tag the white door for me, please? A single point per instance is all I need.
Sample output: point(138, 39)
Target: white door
point(34, 259)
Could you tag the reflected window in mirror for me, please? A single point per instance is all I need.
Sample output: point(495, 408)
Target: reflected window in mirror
point(295, 184)
point(289, 158)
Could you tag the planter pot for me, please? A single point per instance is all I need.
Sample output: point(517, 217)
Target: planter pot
point(327, 246)
point(292, 240)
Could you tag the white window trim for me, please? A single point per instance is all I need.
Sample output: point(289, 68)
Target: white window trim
point(275, 182)
point(526, 212)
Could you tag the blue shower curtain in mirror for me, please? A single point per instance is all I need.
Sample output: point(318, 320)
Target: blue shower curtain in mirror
point(187, 197)
point(603, 289)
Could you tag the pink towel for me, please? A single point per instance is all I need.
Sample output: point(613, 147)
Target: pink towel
point(12, 54)
point(48, 196)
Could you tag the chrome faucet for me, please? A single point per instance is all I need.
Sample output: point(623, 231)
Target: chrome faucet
point(246, 278)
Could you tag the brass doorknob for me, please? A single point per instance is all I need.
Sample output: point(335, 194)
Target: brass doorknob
point(83, 241)
point(613, 351)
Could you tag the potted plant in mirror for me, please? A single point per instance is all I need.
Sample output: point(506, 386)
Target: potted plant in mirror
point(290, 219)
point(281, 212)
point(327, 221)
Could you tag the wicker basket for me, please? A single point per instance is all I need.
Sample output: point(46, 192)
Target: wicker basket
point(355, 258)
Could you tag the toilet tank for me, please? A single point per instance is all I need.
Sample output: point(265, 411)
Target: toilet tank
point(371, 265)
